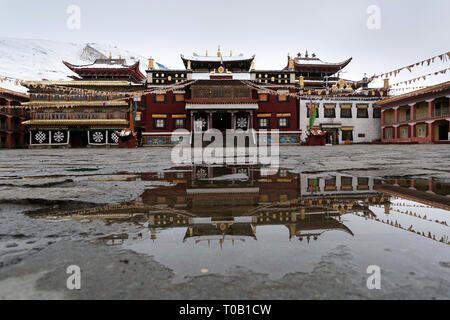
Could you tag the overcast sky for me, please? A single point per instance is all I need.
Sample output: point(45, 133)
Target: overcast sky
point(334, 30)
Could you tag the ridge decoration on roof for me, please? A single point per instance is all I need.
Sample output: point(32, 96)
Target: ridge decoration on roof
point(314, 64)
point(108, 69)
point(208, 63)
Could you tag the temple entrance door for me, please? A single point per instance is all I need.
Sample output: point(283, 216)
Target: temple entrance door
point(443, 131)
point(78, 139)
point(332, 136)
point(222, 121)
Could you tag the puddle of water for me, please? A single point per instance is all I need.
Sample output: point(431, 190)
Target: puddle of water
point(219, 218)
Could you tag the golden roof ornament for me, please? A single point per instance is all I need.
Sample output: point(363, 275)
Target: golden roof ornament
point(301, 81)
point(252, 68)
point(151, 63)
point(219, 54)
point(291, 64)
point(189, 65)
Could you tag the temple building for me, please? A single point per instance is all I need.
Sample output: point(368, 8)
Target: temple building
point(226, 92)
point(421, 116)
point(12, 132)
point(85, 111)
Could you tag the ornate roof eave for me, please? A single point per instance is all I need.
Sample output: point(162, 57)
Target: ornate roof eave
point(91, 68)
point(193, 61)
point(332, 67)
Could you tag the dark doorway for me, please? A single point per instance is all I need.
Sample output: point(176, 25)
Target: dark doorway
point(443, 132)
point(332, 136)
point(222, 121)
point(78, 139)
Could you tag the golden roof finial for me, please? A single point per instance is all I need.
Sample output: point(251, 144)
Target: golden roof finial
point(252, 68)
point(189, 65)
point(151, 63)
point(219, 54)
point(110, 55)
point(291, 64)
point(231, 53)
point(206, 52)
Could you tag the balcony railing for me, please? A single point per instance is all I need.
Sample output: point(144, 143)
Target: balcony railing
point(441, 112)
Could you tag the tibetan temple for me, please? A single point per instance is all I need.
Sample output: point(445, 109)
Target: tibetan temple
point(224, 92)
point(86, 111)
point(228, 93)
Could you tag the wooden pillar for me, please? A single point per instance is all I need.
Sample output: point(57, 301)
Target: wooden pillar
point(396, 115)
point(430, 109)
point(395, 132)
point(413, 111)
point(430, 136)
point(192, 122)
point(9, 123)
point(382, 116)
point(413, 130)
point(233, 121)
point(250, 125)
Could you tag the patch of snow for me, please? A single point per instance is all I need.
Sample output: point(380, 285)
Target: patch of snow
point(34, 59)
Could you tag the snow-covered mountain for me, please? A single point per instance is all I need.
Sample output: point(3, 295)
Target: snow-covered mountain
point(33, 59)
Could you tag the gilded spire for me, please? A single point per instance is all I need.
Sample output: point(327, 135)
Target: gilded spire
point(151, 63)
point(219, 54)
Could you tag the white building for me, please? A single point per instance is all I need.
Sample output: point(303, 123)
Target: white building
point(352, 119)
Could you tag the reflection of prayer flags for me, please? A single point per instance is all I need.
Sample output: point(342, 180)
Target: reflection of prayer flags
point(107, 103)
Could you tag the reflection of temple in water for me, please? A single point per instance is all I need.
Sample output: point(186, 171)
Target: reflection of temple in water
point(218, 204)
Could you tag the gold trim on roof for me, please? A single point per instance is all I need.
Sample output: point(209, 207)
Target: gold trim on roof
point(118, 122)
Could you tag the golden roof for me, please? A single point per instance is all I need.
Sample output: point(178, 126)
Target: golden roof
point(118, 122)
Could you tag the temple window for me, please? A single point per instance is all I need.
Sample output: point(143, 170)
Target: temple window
point(330, 111)
point(283, 98)
point(347, 135)
point(346, 111)
point(377, 113)
point(308, 112)
point(264, 123)
point(160, 98)
point(362, 112)
point(159, 123)
point(179, 123)
point(179, 97)
point(264, 97)
point(283, 122)
point(421, 131)
point(389, 133)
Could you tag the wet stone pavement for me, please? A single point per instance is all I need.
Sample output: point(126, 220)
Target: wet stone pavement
point(140, 227)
